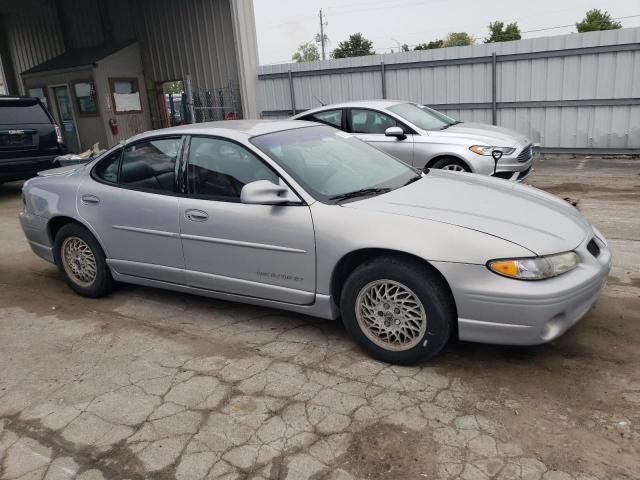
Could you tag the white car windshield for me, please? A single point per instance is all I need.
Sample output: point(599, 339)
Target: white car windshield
point(334, 166)
point(423, 117)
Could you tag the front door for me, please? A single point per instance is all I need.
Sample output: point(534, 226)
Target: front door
point(263, 251)
point(130, 201)
point(370, 125)
point(66, 118)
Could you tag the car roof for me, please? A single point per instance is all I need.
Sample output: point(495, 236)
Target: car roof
point(355, 104)
point(235, 129)
point(18, 100)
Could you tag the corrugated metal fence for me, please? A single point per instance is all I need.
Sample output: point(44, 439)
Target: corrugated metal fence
point(577, 93)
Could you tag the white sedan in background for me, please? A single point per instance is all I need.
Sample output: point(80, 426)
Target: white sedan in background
point(426, 138)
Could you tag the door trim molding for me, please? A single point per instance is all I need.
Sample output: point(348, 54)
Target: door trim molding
point(158, 233)
point(238, 243)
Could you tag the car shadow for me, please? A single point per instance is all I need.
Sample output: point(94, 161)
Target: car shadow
point(11, 189)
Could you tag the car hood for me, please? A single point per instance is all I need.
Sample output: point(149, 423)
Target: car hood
point(526, 216)
point(483, 134)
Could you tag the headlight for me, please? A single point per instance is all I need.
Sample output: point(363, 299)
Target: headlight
point(536, 268)
point(486, 150)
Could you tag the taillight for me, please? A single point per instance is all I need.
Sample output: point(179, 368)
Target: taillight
point(59, 134)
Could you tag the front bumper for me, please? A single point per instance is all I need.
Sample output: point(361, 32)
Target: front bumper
point(509, 167)
point(23, 168)
point(494, 309)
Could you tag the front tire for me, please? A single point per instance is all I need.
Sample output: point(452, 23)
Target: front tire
point(397, 310)
point(452, 164)
point(81, 261)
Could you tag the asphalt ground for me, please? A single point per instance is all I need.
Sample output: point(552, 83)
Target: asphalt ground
point(153, 384)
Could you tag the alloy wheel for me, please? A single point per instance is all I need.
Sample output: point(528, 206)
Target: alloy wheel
point(391, 315)
point(79, 261)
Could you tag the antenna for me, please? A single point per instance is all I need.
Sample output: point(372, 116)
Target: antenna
point(319, 101)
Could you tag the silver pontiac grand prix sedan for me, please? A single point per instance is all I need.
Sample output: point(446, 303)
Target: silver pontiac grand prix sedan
point(426, 138)
point(303, 217)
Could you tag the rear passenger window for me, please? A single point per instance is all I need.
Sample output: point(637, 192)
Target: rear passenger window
point(107, 169)
point(330, 117)
point(150, 165)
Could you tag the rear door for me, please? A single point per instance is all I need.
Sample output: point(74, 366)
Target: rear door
point(264, 251)
point(131, 202)
point(369, 125)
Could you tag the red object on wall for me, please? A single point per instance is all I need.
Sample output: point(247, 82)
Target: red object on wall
point(113, 124)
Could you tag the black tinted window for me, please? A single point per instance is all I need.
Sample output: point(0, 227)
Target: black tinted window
point(150, 165)
point(218, 169)
point(107, 169)
point(330, 117)
point(16, 113)
point(369, 121)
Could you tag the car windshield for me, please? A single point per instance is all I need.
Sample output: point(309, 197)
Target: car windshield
point(423, 117)
point(332, 165)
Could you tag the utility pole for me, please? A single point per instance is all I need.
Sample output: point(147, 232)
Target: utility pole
point(322, 24)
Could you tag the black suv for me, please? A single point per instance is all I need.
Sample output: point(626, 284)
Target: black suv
point(29, 138)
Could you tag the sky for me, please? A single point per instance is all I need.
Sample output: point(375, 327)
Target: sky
point(282, 25)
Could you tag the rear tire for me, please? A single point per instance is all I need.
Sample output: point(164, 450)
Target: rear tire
point(397, 310)
point(452, 164)
point(81, 261)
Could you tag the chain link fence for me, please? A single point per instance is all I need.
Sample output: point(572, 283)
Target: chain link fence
point(210, 105)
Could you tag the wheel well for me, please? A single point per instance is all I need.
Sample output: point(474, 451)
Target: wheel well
point(432, 162)
point(56, 223)
point(352, 260)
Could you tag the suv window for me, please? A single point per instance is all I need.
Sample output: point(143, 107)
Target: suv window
point(17, 112)
point(107, 169)
point(218, 169)
point(370, 121)
point(150, 165)
point(330, 117)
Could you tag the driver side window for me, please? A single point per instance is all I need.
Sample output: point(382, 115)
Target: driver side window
point(218, 169)
point(370, 121)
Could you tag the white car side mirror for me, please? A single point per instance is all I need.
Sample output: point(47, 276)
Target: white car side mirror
point(395, 132)
point(265, 192)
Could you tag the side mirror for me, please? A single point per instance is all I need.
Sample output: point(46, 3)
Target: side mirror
point(395, 132)
point(265, 192)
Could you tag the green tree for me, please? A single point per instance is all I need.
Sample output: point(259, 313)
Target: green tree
point(173, 87)
point(430, 46)
point(356, 46)
point(597, 20)
point(458, 39)
point(499, 33)
point(307, 52)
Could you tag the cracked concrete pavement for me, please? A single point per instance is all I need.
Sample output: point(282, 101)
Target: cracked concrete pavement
point(154, 384)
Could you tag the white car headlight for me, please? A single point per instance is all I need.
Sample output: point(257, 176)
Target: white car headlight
point(486, 150)
point(535, 268)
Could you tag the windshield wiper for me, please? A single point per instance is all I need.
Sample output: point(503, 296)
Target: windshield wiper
point(450, 125)
point(413, 179)
point(360, 193)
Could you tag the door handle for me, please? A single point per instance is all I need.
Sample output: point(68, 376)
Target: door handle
point(89, 199)
point(196, 215)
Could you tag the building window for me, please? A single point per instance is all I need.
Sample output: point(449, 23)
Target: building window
point(86, 97)
point(38, 92)
point(126, 95)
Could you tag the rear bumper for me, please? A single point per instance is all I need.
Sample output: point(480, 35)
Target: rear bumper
point(494, 309)
point(23, 168)
point(35, 229)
